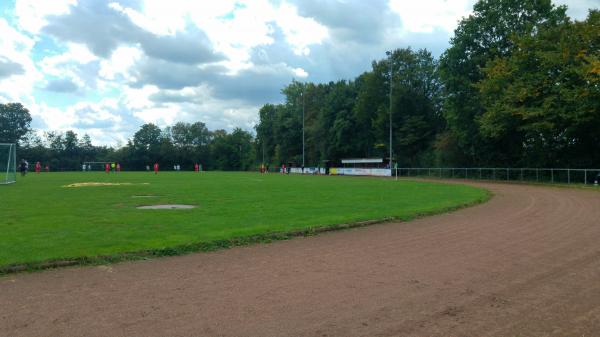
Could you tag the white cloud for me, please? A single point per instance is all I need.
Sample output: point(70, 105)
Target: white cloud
point(159, 115)
point(235, 31)
point(424, 16)
point(66, 65)
point(16, 48)
point(119, 64)
point(300, 32)
point(32, 13)
point(89, 113)
point(137, 99)
point(300, 72)
point(158, 17)
point(54, 118)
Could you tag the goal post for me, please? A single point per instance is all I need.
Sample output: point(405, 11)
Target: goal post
point(94, 165)
point(8, 163)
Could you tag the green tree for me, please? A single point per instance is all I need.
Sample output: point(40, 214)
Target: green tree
point(147, 136)
point(233, 151)
point(543, 100)
point(265, 133)
point(416, 101)
point(15, 122)
point(483, 36)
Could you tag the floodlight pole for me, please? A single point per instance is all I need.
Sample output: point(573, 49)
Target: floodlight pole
point(389, 54)
point(302, 93)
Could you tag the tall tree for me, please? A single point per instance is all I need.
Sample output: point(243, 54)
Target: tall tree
point(15, 122)
point(147, 136)
point(483, 36)
point(544, 99)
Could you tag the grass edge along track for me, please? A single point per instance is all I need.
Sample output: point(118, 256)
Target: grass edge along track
point(191, 246)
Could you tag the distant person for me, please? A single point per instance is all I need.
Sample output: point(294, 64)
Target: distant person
point(23, 167)
point(83, 167)
point(196, 168)
point(38, 167)
point(113, 166)
point(147, 167)
point(107, 168)
point(47, 168)
point(155, 168)
point(118, 167)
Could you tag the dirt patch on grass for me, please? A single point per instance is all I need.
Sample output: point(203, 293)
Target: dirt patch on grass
point(167, 206)
point(93, 184)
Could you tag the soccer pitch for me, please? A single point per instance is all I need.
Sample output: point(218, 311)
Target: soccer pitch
point(44, 220)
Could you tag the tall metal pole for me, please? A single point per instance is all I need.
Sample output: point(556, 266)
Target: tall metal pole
point(303, 128)
point(391, 85)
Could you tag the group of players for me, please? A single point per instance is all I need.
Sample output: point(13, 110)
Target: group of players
point(177, 167)
point(24, 167)
point(108, 167)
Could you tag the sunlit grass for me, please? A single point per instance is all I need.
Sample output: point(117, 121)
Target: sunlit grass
point(41, 219)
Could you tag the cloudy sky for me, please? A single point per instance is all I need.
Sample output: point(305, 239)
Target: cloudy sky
point(105, 67)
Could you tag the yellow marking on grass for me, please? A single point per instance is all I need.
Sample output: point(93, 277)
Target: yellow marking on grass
point(88, 184)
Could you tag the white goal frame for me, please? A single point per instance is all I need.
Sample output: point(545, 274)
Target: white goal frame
point(12, 159)
point(101, 163)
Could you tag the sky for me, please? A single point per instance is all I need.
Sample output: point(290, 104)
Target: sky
point(105, 67)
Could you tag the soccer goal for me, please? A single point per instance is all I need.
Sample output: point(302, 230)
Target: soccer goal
point(8, 163)
point(94, 165)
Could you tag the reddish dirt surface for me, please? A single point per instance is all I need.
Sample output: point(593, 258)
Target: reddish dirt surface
point(527, 263)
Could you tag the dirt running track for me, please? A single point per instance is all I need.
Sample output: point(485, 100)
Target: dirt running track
point(527, 263)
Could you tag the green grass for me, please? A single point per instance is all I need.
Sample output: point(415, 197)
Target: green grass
point(41, 221)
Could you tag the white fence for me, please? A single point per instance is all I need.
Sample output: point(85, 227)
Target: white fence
point(547, 175)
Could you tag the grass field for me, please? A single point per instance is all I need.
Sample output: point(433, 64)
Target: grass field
point(41, 220)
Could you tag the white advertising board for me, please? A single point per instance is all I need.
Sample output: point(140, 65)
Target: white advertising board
point(349, 171)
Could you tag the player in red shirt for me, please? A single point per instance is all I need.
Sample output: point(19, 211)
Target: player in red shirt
point(196, 168)
point(107, 168)
point(38, 167)
point(155, 168)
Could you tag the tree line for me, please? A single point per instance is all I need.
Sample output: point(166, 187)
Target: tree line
point(183, 144)
point(519, 86)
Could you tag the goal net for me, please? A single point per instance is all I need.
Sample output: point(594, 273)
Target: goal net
point(8, 163)
point(94, 165)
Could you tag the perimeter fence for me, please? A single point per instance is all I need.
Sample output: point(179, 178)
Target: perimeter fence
point(541, 175)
